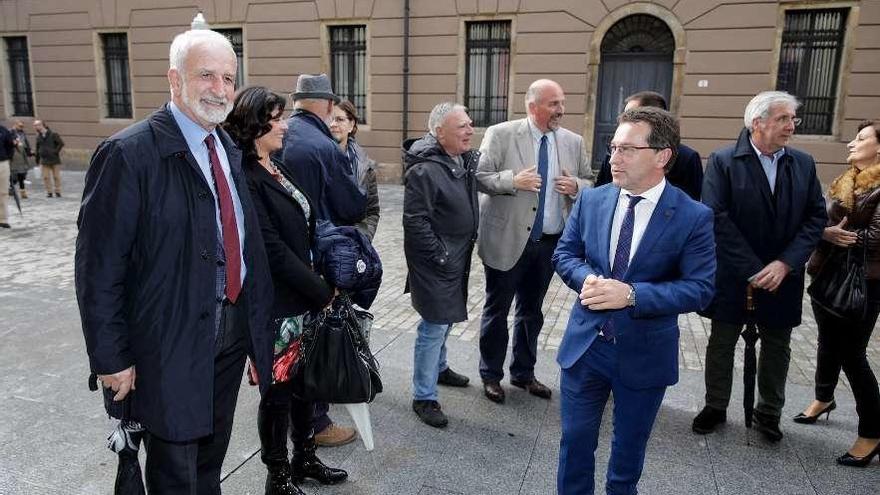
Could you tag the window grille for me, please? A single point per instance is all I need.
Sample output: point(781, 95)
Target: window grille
point(487, 71)
point(115, 46)
point(348, 66)
point(235, 37)
point(20, 76)
point(809, 62)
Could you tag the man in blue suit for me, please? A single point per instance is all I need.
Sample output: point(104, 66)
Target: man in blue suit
point(639, 252)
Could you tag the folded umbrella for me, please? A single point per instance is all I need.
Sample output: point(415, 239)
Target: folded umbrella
point(750, 368)
point(14, 193)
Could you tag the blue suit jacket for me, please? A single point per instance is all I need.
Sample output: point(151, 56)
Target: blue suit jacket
point(673, 272)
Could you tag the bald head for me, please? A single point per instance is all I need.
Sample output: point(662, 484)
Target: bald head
point(545, 104)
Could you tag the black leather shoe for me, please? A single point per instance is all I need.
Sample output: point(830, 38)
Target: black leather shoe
point(767, 426)
point(5, 226)
point(808, 420)
point(430, 413)
point(279, 482)
point(452, 379)
point(533, 387)
point(853, 461)
point(494, 392)
point(305, 464)
point(708, 420)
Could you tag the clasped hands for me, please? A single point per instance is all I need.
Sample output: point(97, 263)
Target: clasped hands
point(599, 293)
point(529, 180)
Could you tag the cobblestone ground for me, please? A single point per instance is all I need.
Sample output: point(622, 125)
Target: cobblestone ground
point(38, 251)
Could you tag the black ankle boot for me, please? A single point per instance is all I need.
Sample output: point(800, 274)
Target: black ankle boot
point(305, 464)
point(279, 482)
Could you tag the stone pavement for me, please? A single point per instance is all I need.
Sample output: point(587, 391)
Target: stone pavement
point(52, 428)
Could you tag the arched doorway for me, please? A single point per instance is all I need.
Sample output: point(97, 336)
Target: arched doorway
point(636, 55)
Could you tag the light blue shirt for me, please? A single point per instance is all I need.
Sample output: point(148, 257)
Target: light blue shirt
point(195, 136)
point(769, 164)
point(553, 222)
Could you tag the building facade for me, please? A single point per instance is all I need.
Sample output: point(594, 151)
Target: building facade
point(90, 67)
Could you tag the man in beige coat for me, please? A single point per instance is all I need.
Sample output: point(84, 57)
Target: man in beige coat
point(531, 171)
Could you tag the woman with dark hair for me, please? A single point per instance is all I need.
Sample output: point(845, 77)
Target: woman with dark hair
point(853, 225)
point(287, 223)
point(343, 127)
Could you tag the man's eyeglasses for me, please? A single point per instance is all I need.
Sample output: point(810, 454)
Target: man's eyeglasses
point(785, 119)
point(628, 150)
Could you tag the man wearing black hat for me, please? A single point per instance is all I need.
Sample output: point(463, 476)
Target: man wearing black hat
point(323, 172)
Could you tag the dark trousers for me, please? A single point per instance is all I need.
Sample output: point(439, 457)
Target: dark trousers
point(773, 362)
point(280, 411)
point(320, 418)
point(193, 467)
point(528, 281)
point(18, 178)
point(842, 345)
point(584, 390)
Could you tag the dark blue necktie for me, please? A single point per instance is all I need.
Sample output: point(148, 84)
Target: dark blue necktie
point(543, 165)
point(621, 256)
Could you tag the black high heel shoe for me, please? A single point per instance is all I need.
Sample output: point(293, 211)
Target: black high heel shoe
point(808, 420)
point(848, 459)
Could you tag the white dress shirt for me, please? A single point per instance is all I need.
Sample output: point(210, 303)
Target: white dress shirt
point(643, 211)
point(553, 222)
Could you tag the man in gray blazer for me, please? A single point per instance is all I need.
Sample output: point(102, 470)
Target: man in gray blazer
point(531, 170)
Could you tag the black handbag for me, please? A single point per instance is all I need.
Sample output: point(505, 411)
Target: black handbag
point(336, 364)
point(840, 287)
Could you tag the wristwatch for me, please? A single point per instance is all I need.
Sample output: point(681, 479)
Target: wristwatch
point(631, 297)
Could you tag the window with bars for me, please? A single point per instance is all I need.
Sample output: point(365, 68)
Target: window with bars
point(809, 64)
point(235, 37)
point(487, 71)
point(117, 80)
point(21, 97)
point(348, 65)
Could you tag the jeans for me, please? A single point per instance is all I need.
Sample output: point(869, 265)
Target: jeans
point(429, 358)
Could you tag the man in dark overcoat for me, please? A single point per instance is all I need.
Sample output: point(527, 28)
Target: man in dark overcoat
point(171, 274)
point(322, 171)
point(769, 216)
point(440, 220)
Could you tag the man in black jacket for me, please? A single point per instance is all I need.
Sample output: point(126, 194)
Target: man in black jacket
point(323, 172)
point(687, 171)
point(440, 220)
point(48, 156)
point(171, 274)
point(769, 216)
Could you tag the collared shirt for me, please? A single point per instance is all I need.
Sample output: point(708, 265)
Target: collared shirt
point(553, 222)
point(643, 211)
point(769, 164)
point(195, 136)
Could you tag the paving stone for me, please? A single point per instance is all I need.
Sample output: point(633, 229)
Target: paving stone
point(50, 422)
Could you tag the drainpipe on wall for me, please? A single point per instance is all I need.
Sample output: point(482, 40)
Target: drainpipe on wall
point(405, 120)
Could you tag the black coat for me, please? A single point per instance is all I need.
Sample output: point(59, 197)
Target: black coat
point(288, 237)
point(322, 170)
point(146, 274)
point(686, 173)
point(49, 148)
point(754, 227)
point(440, 220)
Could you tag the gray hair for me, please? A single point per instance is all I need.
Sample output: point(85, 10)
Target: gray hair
point(759, 107)
point(186, 40)
point(439, 113)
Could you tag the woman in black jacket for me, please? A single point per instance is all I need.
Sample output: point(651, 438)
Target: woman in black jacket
point(853, 224)
point(287, 222)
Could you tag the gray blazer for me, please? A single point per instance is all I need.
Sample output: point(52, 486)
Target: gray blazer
point(506, 214)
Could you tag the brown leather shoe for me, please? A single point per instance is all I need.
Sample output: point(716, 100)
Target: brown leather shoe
point(335, 435)
point(494, 391)
point(533, 387)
